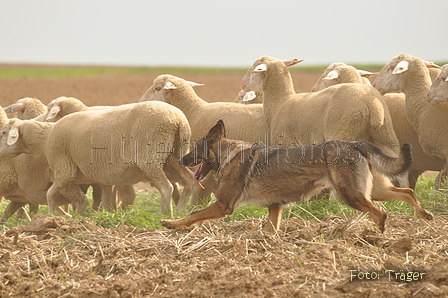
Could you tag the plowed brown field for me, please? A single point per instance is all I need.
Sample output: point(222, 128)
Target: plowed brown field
point(335, 257)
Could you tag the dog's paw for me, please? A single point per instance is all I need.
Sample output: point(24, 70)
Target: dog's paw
point(427, 215)
point(170, 224)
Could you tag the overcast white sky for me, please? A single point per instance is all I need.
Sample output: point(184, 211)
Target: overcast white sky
point(220, 33)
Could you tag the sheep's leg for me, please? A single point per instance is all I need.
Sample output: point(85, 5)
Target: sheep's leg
point(22, 214)
point(203, 196)
point(81, 202)
point(97, 195)
point(441, 178)
point(108, 198)
point(176, 193)
point(165, 188)
point(178, 173)
point(188, 183)
point(10, 210)
point(383, 190)
point(70, 192)
point(126, 194)
point(52, 195)
point(274, 218)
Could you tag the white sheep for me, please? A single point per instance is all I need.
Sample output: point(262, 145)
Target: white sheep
point(26, 108)
point(411, 76)
point(32, 108)
point(341, 112)
point(339, 73)
point(123, 145)
point(404, 131)
point(63, 106)
point(102, 194)
point(25, 180)
point(243, 122)
point(439, 89)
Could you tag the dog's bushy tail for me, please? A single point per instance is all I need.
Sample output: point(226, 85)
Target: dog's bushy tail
point(385, 164)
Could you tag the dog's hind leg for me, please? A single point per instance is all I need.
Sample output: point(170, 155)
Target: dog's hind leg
point(274, 218)
point(354, 189)
point(383, 190)
point(359, 202)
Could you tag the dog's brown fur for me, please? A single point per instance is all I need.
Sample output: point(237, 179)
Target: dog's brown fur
point(254, 173)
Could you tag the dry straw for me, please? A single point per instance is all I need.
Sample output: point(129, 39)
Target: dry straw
point(53, 255)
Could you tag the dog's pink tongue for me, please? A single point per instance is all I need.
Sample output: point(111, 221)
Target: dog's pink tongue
point(196, 174)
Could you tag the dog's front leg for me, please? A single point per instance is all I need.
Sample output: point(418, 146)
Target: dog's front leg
point(215, 210)
point(227, 195)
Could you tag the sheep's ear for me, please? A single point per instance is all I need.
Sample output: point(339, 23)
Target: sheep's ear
point(217, 132)
point(13, 136)
point(248, 96)
point(431, 64)
point(169, 86)
point(365, 73)
point(332, 75)
point(292, 62)
point(15, 107)
point(53, 112)
point(260, 68)
point(401, 67)
point(193, 84)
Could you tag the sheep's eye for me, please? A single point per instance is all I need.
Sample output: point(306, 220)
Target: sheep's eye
point(158, 88)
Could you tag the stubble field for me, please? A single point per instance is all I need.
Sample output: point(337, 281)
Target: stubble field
point(332, 256)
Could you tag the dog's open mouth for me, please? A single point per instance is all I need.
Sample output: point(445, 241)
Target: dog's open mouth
point(197, 176)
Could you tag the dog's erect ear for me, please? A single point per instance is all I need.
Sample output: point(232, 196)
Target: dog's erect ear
point(217, 132)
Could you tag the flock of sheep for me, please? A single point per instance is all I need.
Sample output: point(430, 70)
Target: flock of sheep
point(70, 147)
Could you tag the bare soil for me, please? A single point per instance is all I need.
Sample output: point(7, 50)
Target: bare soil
point(115, 89)
point(55, 257)
point(335, 257)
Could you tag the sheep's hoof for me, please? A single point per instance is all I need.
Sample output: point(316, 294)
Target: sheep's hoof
point(426, 214)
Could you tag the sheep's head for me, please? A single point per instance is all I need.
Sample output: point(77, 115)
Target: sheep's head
point(439, 89)
point(255, 77)
point(166, 87)
point(26, 108)
point(330, 76)
point(251, 97)
point(63, 106)
point(394, 74)
point(339, 73)
point(10, 143)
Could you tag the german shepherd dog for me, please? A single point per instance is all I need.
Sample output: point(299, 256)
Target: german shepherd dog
point(254, 173)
